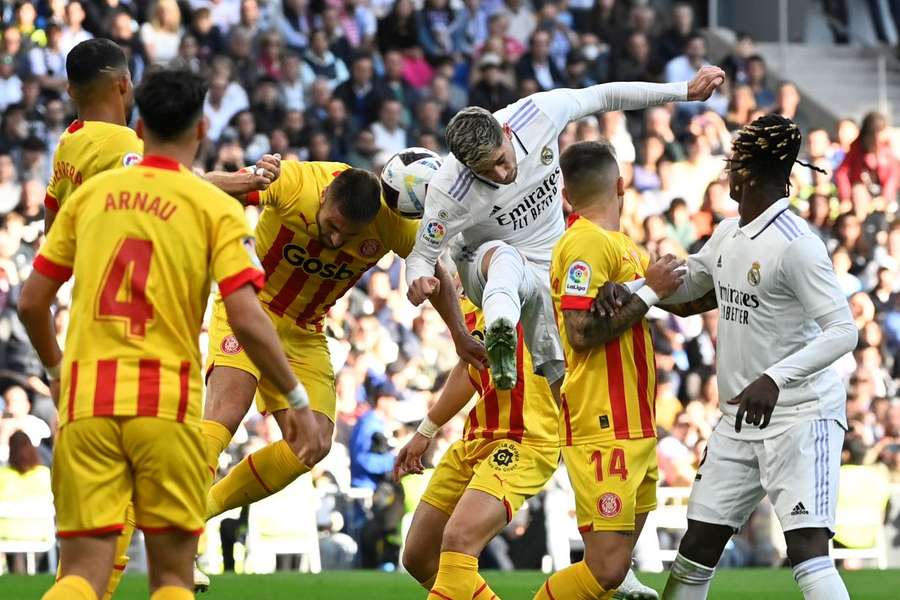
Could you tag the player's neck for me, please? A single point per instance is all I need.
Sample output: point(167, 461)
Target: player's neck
point(756, 202)
point(106, 112)
point(178, 151)
point(602, 213)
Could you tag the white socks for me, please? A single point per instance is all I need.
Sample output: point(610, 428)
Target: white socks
point(688, 580)
point(508, 286)
point(819, 580)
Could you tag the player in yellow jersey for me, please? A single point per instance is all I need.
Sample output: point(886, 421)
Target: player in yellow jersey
point(608, 394)
point(323, 225)
point(130, 397)
point(99, 84)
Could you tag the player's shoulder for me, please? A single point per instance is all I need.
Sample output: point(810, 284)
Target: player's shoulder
point(581, 236)
point(791, 227)
point(452, 179)
point(302, 182)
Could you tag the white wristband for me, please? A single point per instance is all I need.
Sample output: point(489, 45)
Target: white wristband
point(635, 285)
point(297, 397)
point(54, 372)
point(427, 428)
point(647, 294)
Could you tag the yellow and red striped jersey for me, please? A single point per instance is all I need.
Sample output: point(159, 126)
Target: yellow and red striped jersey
point(609, 392)
point(143, 243)
point(85, 149)
point(304, 278)
point(527, 413)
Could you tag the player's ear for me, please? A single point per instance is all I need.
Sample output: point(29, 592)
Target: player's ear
point(507, 131)
point(202, 128)
point(124, 80)
point(620, 186)
point(139, 128)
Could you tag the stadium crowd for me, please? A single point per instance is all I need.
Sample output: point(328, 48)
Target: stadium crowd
point(356, 81)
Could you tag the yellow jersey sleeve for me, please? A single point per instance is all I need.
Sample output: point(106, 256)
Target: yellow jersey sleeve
point(234, 259)
point(396, 233)
point(295, 177)
point(56, 258)
point(122, 148)
point(589, 259)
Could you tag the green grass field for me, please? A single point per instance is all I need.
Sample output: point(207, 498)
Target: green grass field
point(756, 584)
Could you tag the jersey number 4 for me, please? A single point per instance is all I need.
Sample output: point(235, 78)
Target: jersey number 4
point(129, 265)
point(616, 464)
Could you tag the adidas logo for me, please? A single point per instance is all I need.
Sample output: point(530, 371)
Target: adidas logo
point(719, 262)
point(495, 210)
point(799, 509)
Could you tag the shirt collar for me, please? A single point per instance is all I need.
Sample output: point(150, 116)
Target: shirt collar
point(760, 223)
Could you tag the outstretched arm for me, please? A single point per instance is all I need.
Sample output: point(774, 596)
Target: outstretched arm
point(250, 179)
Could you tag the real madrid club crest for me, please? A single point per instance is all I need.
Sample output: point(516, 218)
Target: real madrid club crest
point(546, 155)
point(753, 275)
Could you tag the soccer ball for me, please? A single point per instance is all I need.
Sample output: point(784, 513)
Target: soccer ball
point(405, 180)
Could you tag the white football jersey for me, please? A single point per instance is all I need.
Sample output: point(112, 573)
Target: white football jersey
point(527, 213)
point(773, 278)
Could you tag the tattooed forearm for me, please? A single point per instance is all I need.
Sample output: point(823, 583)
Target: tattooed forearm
point(586, 329)
point(693, 307)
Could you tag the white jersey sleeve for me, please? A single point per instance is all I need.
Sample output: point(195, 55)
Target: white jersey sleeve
point(564, 105)
point(808, 273)
point(442, 220)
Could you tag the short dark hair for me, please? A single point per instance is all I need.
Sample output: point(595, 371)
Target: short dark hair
point(170, 101)
point(357, 193)
point(90, 59)
point(587, 167)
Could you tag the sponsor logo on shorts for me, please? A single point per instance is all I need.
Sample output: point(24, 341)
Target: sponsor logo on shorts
point(433, 233)
point(130, 159)
point(609, 505)
point(369, 247)
point(230, 345)
point(505, 457)
point(578, 279)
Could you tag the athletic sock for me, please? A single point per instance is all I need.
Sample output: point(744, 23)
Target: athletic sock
point(575, 582)
point(819, 580)
point(122, 544)
point(171, 592)
point(456, 577)
point(217, 438)
point(71, 587)
point(261, 474)
point(482, 590)
point(506, 287)
point(688, 580)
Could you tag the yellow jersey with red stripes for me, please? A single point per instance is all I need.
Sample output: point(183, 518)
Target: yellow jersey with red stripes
point(85, 149)
point(609, 392)
point(143, 243)
point(304, 278)
point(526, 413)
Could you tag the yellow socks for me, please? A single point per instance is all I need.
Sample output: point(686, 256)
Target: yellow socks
point(482, 590)
point(122, 544)
point(573, 583)
point(259, 475)
point(217, 438)
point(170, 592)
point(456, 578)
point(71, 587)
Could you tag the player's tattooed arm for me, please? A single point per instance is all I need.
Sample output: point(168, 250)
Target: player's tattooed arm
point(703, 304)
point(250, 179)
point(587, 330)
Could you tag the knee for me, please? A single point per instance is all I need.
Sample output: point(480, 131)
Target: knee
point(418, 564)
point(704, 543)
point(609, 573)
point(319, 455)
point(460, 539)
point(807, 543)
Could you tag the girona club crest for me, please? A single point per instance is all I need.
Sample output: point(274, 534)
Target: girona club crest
point(369, 248)
point(230, 345)
point(609, 505)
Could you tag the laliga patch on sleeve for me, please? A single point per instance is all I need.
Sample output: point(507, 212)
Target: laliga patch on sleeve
point(131, 158)
point(578, 279)
point(433, 232)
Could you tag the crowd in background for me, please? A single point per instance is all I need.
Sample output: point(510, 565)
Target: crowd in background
point(356, 81)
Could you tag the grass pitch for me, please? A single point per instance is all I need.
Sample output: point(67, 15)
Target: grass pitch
point(738, 584)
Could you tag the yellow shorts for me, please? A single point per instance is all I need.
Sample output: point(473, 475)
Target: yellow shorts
point(100, 464)
point(507, 470)
point(306, 351)
point(613, 481)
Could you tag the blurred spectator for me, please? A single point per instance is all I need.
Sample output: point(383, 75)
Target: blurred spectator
point(220, 106)
point(319, 61)
point(362, 94)
point(17, 418)
point(470, 27)
point(162, 33)
point(24, 481)
point(244, 131)
point(520, 19)
point(756, 79)
point(390, 135)
point(673, 41)
point(741, 107)
point(434, 25)
point(371, 456)
point(268, 110)
point(536, 64)
point(26, 23)
point(10, 84)
point(735, 64)
point(10, 190)
point(48, 63)
point(636, 63)
point(208, 35)
point(293, 23)
point(691, 176)
point(398, 30)
point(340, 127)
point(362, 155)
point(73, 32)
point(292, 87)
point(870, 161)
point(398, 86)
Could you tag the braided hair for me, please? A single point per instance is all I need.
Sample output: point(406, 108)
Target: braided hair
point(767, 148)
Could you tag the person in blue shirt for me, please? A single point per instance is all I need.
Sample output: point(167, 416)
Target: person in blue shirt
point(371, 457)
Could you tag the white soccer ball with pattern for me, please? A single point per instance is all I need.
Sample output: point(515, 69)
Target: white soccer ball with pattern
point(405, 179)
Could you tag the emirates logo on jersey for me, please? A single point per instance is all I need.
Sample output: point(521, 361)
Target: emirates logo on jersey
point(609, 505)
point(230, 345)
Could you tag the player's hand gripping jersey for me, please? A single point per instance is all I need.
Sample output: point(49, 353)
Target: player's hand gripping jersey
point(85, 149)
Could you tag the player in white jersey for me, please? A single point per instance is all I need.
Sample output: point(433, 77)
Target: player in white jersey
point(783, 321)
point(497, 198)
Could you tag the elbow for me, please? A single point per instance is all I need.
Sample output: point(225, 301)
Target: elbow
point(851, 339)
point(29, 308)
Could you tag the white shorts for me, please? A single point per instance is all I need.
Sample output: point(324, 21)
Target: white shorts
point(797, 469)
point(538, 318)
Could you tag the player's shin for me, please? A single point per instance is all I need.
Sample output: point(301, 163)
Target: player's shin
point(819, 580)
point(456, 578)
point(216, 436)
point(258, 476)
point(575, 582)
point(688, 580)
point(71, 587)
